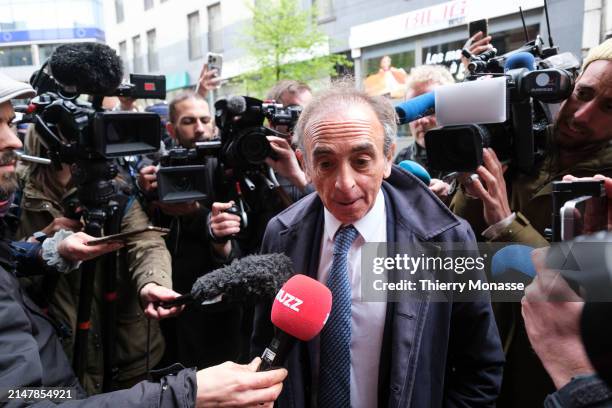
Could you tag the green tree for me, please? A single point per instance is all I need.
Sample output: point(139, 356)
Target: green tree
point(285, 43)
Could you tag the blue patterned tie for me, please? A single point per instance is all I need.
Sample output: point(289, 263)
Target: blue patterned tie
point(335, 363)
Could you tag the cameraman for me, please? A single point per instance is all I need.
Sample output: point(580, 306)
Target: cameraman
point(143, 275)
point(580, 143)
point(290, 175)
point(199, 243)
point(31, 355)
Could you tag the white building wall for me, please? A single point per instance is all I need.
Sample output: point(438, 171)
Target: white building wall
point(169, 19)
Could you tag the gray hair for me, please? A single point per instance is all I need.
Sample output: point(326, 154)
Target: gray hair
point(438, 74)
point(340, 95)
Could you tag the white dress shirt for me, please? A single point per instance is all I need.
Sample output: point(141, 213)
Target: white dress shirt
point(367, 318)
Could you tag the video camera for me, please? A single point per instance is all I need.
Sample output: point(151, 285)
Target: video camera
point(238, 158)
point(534, 78)
point(82, 133)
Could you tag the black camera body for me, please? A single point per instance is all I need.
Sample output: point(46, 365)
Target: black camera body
point(237, 158)
point(519, 140)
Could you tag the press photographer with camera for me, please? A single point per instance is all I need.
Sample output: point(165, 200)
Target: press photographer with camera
point(32, 356)
point(552, 312)
point(510, 206)
point(144, 275)
point(291, 177)
point(199, 242)
point(579, 144)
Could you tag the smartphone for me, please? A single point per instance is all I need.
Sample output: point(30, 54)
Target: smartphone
point(478, 25)
point(215, 61)
point(583, 215)
point(124, 236)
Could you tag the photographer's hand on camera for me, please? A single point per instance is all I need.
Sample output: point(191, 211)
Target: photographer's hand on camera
point(147, 179)
point(552, 311)
point(222, 225)
point(608, 187)
point(490, 187)
point(150, 296)
point(286, 163)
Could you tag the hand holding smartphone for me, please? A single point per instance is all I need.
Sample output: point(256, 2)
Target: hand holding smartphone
point(124, 236)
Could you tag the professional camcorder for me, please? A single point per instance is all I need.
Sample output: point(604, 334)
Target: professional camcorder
point(534, 77)
point(236, 159)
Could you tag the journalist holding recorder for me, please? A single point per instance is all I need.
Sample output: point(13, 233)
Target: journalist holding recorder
point(30, 352)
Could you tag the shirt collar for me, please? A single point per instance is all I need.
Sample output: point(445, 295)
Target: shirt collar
point(366, 226)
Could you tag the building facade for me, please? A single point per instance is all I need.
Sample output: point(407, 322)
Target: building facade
point(173, 36)
point(30, 30)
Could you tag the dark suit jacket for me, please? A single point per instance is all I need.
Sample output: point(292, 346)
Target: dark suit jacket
point(439, 353)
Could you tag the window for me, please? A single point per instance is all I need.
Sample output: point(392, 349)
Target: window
point(215, 28)
point(15, 56)
point(45, 51)
point(325, 10)
point(119, 10)
point(152, 51)
point(148, 4)
point(195, 39)
point(138, 63)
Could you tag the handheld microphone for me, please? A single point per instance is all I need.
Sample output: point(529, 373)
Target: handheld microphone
point(416, 169)
point(88, 68)
point(250, 278)
point(415, 108)
point(513, 258)
point(300, 311)
point(520, 60)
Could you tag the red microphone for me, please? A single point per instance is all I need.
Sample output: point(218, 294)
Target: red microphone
point(300, 310)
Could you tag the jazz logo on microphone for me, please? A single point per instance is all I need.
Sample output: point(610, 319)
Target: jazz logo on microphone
point(289, 300)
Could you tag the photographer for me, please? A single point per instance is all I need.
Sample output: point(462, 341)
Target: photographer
point(290, 175)
point(31, 355)
point(143, 275)
point(580, 144)
point(199, 243)
point(552, 312)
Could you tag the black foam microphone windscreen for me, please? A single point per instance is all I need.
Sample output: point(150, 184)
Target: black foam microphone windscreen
point(236, 105)
point(251, 278)
point(88, 67)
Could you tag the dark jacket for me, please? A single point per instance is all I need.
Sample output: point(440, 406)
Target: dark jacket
point(145, 260)
point(32, 356)
point(439, 353)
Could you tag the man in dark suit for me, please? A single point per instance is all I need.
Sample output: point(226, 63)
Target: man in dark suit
point(416, 353)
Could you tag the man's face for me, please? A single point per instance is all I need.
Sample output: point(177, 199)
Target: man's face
point(586, 116)
point(299, 99)
point(345, 160)
point(419, 127)
point(8, 143)
point(193, 123)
